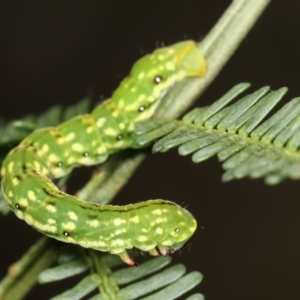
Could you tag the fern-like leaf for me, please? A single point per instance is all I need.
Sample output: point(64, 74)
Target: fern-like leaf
point(13, 132)
point(162, 282)
point(236, 133)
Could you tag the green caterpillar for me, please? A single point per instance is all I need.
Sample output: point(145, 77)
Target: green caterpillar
point(157, 226)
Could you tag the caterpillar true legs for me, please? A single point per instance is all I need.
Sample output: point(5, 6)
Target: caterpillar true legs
point(157, 226)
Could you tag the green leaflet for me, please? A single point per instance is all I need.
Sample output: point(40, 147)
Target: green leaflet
point(158, 226)
point(236, 133)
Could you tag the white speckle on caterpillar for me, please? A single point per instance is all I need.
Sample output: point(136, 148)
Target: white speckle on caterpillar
point(159, 230)
point(15, 181)
point(77, 147)
point(142, 238)
point(118, 221)
point(70, 137)
point(51, 221)
point(135, 220)
point(51, 208)
point(72, 215)
point(68, 226)
point(157, 212)
point(100, 122)
point(23, 202)
point(31, 195)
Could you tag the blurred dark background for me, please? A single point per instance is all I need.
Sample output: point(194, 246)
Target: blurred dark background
point(57, 51)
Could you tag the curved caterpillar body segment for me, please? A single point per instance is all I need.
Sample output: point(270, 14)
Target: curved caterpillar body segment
point(157, 226)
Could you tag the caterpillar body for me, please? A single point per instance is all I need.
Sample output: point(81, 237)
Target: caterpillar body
point(157, 226)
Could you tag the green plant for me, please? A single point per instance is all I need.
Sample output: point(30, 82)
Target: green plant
point(216, 42)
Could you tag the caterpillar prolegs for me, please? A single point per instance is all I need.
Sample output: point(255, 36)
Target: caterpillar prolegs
point(157, 226)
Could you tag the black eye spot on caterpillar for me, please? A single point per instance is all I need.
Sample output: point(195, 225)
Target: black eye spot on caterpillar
point(89, 139)
point(157, 79)
point(142, 108)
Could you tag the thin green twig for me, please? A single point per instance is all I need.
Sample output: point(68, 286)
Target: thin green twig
point(22, 275)
point(217, 47)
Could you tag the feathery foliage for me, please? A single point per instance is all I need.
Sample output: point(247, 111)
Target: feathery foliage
point(13, 132)
point(246, 145)
point(126, 283)
point(223, 40)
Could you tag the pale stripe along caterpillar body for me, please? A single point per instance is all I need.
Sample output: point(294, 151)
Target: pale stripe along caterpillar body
point(157, 226)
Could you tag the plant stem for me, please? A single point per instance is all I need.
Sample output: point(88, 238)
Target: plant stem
point(217, 47)
point(22, 275)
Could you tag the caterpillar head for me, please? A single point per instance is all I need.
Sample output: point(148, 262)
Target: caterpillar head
point(182, 229)
point(154, 74)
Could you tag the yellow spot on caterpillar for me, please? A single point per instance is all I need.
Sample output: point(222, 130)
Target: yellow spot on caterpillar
point(70, 160)
point(157, 212)
point(29, 219)
point(161, 57)
point(170, 66)
point(118, 221)
point(179, 212)
point(68, 226)
point(133, 89)
point(115, 114)
point(37, 165)
point(117, 243)
point(97, 245)
point(101, 150)
point(121, 126)
point(10, 194)
point(40, 226)
point(101, 122)
point(10, 166)
point(23, 202)
point(159, 230)
point(159, 220)
point(45, 148)
point(51, 221)
point(118, 231)
point(134, 219)
point(144, 230)
point(53, 157)
point(141, 97)
point(121, 103)
point(89, 129)
point(110, 131)
point(70, 136)
point(141, 75)
point(77, 147)
point(60, 140)
point(94, 223)
point(15, 181)
point(31, 195)
point(167, 243)
point(72, 215)
point(51, 208)
point(142, 238)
